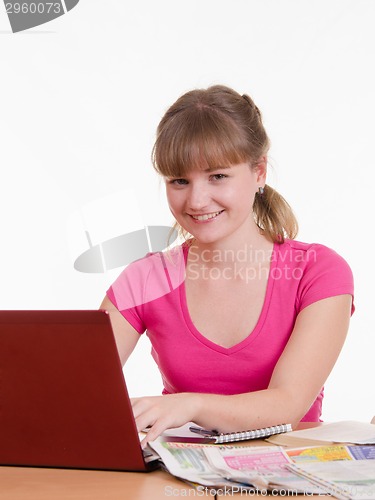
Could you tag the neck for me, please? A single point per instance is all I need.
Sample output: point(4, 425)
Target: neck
point(251, 248)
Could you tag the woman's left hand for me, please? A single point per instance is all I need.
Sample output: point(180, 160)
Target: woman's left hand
point(164, 412)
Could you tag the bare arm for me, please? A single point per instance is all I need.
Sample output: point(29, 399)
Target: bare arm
point(125, 335)
point(301, 371)
point(299, 375)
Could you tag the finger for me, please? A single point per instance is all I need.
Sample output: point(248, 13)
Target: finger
point(139, 406)
point(144, 442)
point(144, 421)
point(134, 401)
point(155, 431)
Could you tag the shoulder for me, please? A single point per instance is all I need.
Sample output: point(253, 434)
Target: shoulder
point(322, 272)
point(148, 278)
point(304, 248)
point(155, 263)
point(313, 255)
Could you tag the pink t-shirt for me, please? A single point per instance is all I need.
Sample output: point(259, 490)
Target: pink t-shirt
point(150, 294)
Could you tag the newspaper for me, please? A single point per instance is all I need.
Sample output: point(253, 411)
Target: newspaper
point(257, 468)
point(269, 463)
point(188, 462)
point(346, 472)
point(339, 432)
point(344, 479)
point(331, 453)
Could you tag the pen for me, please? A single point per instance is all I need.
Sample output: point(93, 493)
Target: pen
point(204, 432)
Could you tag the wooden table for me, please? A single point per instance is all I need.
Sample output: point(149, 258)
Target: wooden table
point(27, 483)
point(30, 483)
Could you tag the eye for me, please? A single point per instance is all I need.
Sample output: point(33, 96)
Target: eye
point(178, 182)
point(218, 177)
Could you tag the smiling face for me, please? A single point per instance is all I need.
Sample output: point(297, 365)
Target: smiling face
point(211, 149)
point(215, 204)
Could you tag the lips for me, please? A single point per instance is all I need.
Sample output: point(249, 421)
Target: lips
point(205, 217)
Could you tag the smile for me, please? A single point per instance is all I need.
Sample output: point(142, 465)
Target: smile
point(207, 216)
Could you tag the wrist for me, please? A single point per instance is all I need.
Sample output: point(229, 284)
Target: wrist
point(196, 401)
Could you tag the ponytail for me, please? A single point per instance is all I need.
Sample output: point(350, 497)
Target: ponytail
point(274, 216)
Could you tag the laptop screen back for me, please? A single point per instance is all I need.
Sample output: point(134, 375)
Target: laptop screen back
point(63, 399)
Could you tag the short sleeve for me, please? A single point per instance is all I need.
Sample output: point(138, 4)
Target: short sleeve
point(326, 274)
point(145, 281)
point(131, 314)
point(122, 287)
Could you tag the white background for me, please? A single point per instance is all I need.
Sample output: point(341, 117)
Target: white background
point(82, 95)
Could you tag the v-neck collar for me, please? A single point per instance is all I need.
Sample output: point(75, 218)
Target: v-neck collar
point(259, 325)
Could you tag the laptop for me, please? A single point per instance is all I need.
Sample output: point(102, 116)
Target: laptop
point(63, 397)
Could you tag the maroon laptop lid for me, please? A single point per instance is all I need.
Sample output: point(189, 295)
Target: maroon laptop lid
point(63, 398)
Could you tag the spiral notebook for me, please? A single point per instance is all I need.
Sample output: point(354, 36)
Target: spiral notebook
point(220, 438)
point(190, 433)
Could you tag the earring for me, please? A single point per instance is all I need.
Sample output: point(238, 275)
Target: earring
point(261, 191)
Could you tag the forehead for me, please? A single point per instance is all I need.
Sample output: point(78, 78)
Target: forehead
point(196, 158)
point(213, 168)
point(186, 145)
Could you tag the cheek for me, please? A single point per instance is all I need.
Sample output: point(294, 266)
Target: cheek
point(247, 190)
point(168, 193)
point(240, 195)
point(174, 200)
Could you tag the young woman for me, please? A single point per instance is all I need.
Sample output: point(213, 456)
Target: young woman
point(245, 322)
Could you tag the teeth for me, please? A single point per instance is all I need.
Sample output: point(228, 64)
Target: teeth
point(206, 216)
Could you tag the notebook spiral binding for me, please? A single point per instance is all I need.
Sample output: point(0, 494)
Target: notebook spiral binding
point(254, 434)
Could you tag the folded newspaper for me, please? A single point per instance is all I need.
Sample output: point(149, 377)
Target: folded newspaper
point(346, 480)
point(346, 431)
point(343, 471)
point(236, 468)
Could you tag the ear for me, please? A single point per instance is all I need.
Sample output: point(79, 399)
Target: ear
point(261, 170)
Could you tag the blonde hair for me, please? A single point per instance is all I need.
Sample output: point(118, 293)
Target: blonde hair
point(213, 127)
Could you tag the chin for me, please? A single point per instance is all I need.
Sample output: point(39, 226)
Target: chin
point(207, 239)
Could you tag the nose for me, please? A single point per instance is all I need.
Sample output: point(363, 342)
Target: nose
point(198, 197)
